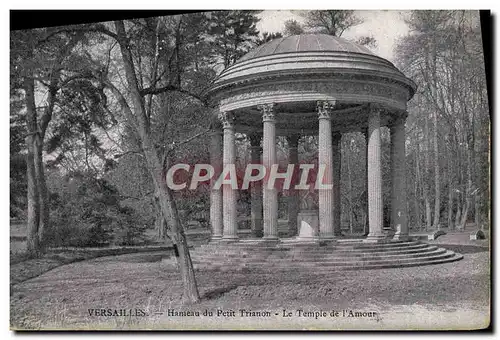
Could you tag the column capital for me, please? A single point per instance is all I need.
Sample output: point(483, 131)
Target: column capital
point(227, 119)
point(268, 112)
point(293, 141)
point(325, 109)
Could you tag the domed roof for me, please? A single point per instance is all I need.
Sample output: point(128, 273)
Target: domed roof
point(309, 68)
point(305, 43)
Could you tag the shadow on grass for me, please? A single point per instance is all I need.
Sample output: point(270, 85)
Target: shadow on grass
point(218, 292)
point(464, 248)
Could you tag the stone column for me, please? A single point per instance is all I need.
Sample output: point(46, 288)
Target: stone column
point(293, 197)
point(216, 220)
point(270, 195)
point(398, 179)
point(337, 160)
point(325, 195)
point(365, 134)
point(229, 194)
point(256, 188)
point(375, 207)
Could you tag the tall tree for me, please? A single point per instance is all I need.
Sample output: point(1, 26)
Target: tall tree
point(332, 22)
point(137, 116)
point(233, 33)
point(443, 55)
point(292, 27)
point(38, 61)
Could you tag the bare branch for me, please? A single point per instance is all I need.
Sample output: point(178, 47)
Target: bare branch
point(135, 152)
point(172, 88)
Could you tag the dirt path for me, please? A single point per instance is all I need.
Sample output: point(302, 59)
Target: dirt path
point(443, 296)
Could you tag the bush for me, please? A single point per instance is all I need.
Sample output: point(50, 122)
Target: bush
point(86, 212)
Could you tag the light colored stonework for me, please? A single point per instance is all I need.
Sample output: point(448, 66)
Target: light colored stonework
point(325, 198)
point(270, 195)
point(375, 213)
point(325, 90)
point(308, 225)
point(229, 194)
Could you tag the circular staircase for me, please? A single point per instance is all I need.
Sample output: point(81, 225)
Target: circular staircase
point(253, 256)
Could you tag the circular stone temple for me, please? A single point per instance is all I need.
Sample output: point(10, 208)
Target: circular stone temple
point(312, 85)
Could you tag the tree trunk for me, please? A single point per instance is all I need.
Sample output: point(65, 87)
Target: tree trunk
point(166, 200)
point(160, 222)
point(33, 221)
point(450, 206)
point(458, 215)
point(475, 173)
point(43, 195)
point(428, 213)
point(465, 213)
point(418, 217)
point(450, 189)
point(468, 192)
point(437, 178)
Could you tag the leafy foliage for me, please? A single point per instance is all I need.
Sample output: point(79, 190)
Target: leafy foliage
point(292, 27)
point(332, 22)
point(266, 37)
point(233, 33)
point(87, 212)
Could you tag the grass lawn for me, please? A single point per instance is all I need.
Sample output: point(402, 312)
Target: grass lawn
point(448, 296)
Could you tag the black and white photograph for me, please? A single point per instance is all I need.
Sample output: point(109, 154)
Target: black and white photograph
point(250, 170)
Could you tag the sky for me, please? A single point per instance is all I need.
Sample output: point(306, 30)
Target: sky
point(385, 26)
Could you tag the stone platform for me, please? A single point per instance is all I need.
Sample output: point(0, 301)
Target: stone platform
point(346, 254)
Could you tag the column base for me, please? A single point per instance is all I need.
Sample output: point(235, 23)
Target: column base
point(379, 237)
point(388, 232)
point(268, 241)
point(329, 238)
point(230, 238)
point(270, 238)
point(302, 240)
point(215, 238)
point(401, 237)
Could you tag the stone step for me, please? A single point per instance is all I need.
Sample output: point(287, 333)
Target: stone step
point(417, 247)
point(317, 269)
point(311, 257)
point(290, 245)
point(277, 256)
point(325, 259)
point(377, 245)
point(225, 252)
point(361, 262)
point(233, 248)
point(255, 256)
point(447, 256)
point(370, 250)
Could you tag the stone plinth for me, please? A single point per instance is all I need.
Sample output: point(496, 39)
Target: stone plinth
point(308, 223)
